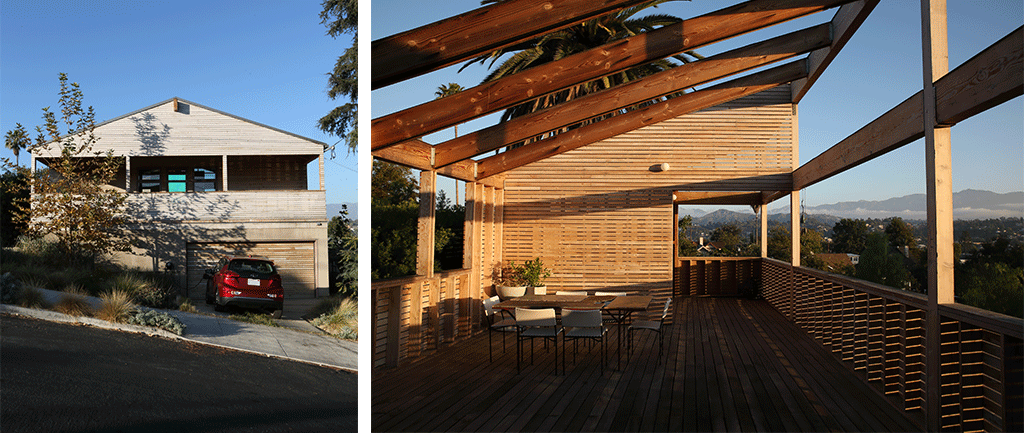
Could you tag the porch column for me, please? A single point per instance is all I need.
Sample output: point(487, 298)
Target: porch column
point(794, 227)
point(938, 167)
point(223, 172)
point(127, 173)
point(321, 164)
point(425, 226)
point(471, 242)
point(764, 230)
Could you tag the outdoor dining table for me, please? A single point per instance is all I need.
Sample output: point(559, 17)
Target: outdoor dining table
point(619, 307)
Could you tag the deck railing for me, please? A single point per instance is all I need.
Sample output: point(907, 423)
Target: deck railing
point(416, 314)
point(880, 333)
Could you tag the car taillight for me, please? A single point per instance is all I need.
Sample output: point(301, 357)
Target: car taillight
point(229, 278)
point(275, 281)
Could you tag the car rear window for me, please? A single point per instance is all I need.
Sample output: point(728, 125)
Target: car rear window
point(252, 268)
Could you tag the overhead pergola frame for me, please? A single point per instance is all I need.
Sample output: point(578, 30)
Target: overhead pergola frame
point(394, 136)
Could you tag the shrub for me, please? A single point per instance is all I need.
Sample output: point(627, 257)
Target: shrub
point(73, 305)
point(149, 291)
point(250, 317)
point(117, 306)
point(31, 297)
point(9, 288)
point(157, 319)
point(341, 319)
point(186, 306)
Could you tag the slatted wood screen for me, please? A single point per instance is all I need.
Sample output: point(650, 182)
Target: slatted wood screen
point(601, 217)
point(880, 332)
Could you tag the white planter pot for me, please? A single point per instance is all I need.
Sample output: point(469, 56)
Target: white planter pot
point(506, 292)
point(539, 290)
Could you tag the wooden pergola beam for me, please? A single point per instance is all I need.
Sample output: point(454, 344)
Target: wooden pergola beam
point(655, 113)
point(990, 78)
point(646, 89)
point(719, 198)
point(417, 154)
point(462, 37)
point(844, 24)
point(595, 63)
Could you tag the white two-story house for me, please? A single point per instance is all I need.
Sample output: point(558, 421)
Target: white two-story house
point(202, 183)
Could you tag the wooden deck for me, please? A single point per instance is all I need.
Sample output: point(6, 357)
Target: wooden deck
point(729, 365)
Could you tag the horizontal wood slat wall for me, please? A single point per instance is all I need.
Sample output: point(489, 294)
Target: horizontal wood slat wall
point(601, 216)
point(880, 333)
point(257, 173)
point(227, 206)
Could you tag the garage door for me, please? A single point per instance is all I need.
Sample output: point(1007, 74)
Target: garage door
point(295, 262)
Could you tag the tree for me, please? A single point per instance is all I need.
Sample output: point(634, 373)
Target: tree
point(729, 238)
point(900, 233)
point(848, 235)
point(575, 39)
point(393, 211)
point(13, 195)
point(17, 139)
point(444, 91)
point(340, 17)
point(879, 264)
point(71, 200)
point(686, 246)
point(342, 249)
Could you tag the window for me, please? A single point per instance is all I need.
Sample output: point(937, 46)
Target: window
point(204, 180)
point(176, 180)
point(149, 180)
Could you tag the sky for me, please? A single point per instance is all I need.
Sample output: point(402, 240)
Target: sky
point(266, 61)
point(879, 68)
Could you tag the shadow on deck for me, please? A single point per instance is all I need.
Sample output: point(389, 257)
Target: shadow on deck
point(729, 365)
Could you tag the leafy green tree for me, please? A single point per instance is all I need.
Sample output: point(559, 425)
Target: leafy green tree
point(70, 200)
point(993, 286)
point(575, 39)
point(848, 236)
point(449, 222)
point(879, 264)
point(394, 210)
point(343, 252)
point(13, 195)
point(729, 237)
point(686, 246)
point(900, 233)
point(341, 17)
point(779, 243)
point(16, 140)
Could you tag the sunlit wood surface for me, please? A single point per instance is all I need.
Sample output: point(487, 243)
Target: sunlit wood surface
point(729, 365)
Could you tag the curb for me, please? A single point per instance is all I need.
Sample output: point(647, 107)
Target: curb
point(53, 316)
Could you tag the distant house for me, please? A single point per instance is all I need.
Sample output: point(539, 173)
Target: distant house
point(837, 261)
point(203, 183)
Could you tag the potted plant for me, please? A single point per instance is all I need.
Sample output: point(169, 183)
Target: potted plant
point(508, 280)
point(534, 274)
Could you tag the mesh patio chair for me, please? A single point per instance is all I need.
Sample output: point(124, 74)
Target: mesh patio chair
point(608, 316)
point(571, 293)
point(583, 324)
point(504, 324)
point(536, 323)
point(651, 325)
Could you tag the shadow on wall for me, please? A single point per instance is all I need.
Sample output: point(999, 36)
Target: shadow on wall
point(165, 247)
point(151, 135)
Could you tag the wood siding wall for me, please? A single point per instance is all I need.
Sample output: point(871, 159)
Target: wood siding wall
point(196, 131)
point(228, 206)
point(602, 217)
point(252, 173)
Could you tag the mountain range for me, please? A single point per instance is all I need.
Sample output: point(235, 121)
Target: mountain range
point(967, 205)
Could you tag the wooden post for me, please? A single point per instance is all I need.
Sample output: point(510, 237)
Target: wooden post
point(321, 164)
point(223, 172)
point(764, 230)
point(127, 173)
point(425, 226)
point(794, 227)
point(938, 168)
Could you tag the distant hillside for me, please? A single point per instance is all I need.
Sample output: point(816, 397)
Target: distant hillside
point(967, 205)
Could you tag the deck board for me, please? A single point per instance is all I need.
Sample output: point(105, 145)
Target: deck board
point(729, 364)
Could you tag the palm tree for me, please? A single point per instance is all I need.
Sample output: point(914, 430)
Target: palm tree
point(17, 139)
point(575, 39)
point(449, 90)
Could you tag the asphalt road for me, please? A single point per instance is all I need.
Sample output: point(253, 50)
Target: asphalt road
point(60, 377)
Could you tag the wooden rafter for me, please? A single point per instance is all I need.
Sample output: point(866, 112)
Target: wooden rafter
point(652, 114)
point(592, 64)
point(646, 89)
point(480, 31)
point(994, 76)
point(844, 24)
point(719, 198)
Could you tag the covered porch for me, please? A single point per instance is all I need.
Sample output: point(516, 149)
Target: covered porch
point(597, 200)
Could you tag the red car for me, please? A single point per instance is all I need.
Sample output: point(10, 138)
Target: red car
point(247, 282)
